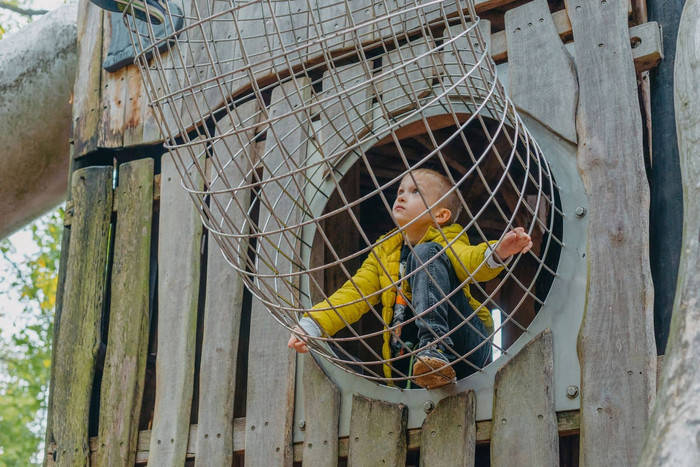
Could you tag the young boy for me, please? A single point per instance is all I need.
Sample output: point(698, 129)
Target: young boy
point(437, 262)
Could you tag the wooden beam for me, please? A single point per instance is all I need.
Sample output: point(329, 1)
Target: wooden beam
point(673, 435)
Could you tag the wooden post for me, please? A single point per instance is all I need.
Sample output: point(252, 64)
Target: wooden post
point(79, 337)
point(673, 437)
point(321, 413)
point(377, 433)
point(223, 307)
point(448, 435)
point(179, 242)
point(271, 365)
point(616, 341)
point(127, 345)
point(524, 430)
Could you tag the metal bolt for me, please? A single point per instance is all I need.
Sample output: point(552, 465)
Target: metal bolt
point(572, 392)
point(429, 406)
point(580, 211)
point(302, 425)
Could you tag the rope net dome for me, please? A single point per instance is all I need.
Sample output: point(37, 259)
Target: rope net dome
point(292, 123)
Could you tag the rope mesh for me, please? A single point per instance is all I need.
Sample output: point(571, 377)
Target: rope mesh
point(301, 118)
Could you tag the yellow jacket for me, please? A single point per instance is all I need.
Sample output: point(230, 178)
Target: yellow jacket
point(380, 271)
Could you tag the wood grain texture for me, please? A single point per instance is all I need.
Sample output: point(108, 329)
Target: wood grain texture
point(673, 437)
point(541, 73)
point(179, 241)
point(616, 340)
point(459, 59)
point(377, 433)
point(127, 344)
point(271, 365)
point(448, 434)
point(222, 316)
point(321, 414)
point(114, 92)
point(79, 337)
point(86, 92)
point(524, 430)
point(347, 118)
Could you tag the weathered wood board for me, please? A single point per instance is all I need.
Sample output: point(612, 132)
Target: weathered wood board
point(616, 341)
point(448, 435)
point(349, 118)
point(127, 344)
point(79, 337)
point(524, 430)
point(463, 74)
point(541, 72)
point(113, 95)
point(410, 72)
point(86, 95)
point(222, 313)
point(180, 234)
point(321, 414)
point(377, 433)
point(271, 365)
point(674, 429)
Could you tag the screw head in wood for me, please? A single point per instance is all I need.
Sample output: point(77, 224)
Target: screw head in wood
point(572, 392)
point(302, 425)
point(429, 406)
point(580, 211)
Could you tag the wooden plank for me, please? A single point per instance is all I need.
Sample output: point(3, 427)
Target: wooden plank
point(525, 423)
point(448, 434)
point(79, 337)
point(377, 433)
point(459, 58)
point(127, 344)
point(541, 72)
point(271, 366)
point(406, 84)
point(114, 92)
point(321, 414)
point(223, 304)
point(86, 92)
point(672, 437)
point(347, 118)
point(616, 341)
point(644, 58)
point(180, 233)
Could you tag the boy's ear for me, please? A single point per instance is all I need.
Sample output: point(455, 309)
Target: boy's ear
point(442, 215)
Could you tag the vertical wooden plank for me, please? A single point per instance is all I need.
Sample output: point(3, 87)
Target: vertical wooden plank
point(127, 344)
point(114, 92)
point(524, 430)
point(348, 117)
point(342, 17)
point(448, 435)
point(541, 73)
point(321, 414)
point(271, 365)
point(404, 87)
point(616, 341)
point(180, 233)
point(79, 337)
point(377, 433)
point(223, 305)
point(86, 94)
point(673, 436)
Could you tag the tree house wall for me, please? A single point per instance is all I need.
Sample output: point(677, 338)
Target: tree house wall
point(162, 356)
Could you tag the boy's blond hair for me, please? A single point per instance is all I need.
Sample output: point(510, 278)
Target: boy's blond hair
point(443, 186)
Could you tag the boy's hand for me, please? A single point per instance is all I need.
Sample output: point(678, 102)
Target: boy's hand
point(516, 241)
point(296, 343)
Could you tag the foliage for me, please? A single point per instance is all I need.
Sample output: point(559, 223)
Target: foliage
point(25, 356)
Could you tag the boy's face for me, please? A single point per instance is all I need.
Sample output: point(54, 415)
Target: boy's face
point(409, 204)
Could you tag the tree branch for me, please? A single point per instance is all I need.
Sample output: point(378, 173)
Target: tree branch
point(22, 11)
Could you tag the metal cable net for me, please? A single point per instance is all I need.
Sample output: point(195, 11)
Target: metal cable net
point(292, 124)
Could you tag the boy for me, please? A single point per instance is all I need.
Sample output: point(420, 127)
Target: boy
point(430, 257)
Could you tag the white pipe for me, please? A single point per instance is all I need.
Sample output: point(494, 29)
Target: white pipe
point(37, 70)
